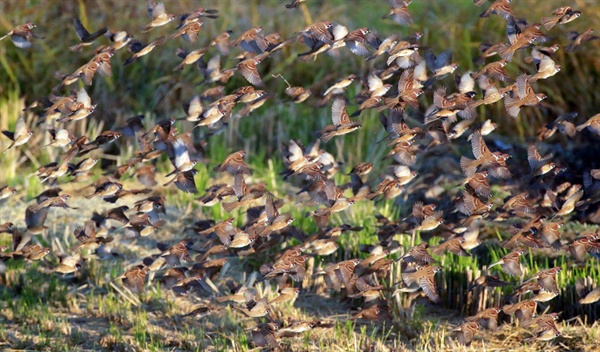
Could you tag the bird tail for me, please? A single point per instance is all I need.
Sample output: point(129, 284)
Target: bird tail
point(76, 47)
point(322, 219)
point(230, 206)
point(356, 113)
point(10, 146)
point(569, 48)
point(469, 166)
point(170, 181)
point(549, 22)
point(371, 57)
point(493, 265)
point(326, 137)
point(512, 106)
point(130, 60)
point(506, 52)
point(63, 119)
point(222, 299)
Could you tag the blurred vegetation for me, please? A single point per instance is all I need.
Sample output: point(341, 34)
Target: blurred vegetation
point(151, 87)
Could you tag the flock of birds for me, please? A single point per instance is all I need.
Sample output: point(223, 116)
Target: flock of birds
point(539, 211)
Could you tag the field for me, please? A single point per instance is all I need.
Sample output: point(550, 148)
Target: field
point(93, 308)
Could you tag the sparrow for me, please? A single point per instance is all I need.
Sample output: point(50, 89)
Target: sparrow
point(510, 263)
point(578, 39)
point(6, 191)
point(21, 35)
point(487, 318)
point(547, 279)
point(524, 96)
point(275, 221)
point(550, 233)
point(516, 42)
point(418, 254)
point(247, 40)
point(212, 72)
point(523, 310)
point(146, 49)
point(494, 162)
point(264, 336)
point(7, 227)
point(134, 279)
point(177, 253)
point(106, 189)
point(86, 236)
point(592, 297)
point(68, 264)
point(120, 39)
point(498, 7)
point(286, 294)
point(234, 164)
point(197, 15)
point(375, 312)
point(158, 15)
point(336, 274)
point(60, 138)
point(189, 32)
point(424, 276)
point(440, 66)
point(479, 184)
point(341, 121)
point(185, 181)
point(180, 158)
point(546, 333)
point(561, 15)
point(539, 165)
point(139, 225)
point(593, 123)
point(563, 123)
point(360, 41)
point(80, 109)
point(260, 309)
point(221, 42)
point(84, 36)
point(452, 245)
point(298, 94)
point(295, 328)
point(59, 201)
point(399, 12)
point(340, 85)
point(581, 245)
point(430, 222)
point(494, 70)
point(389, 188)
point(466, 332)
point(189, 58)
point(294, 4)
point(403, 53)
point(248, 69)
point(384, 47)
point(570, 203)
point(20, 135)
point(365, 288)
point(546, 68)
point(33, 252)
